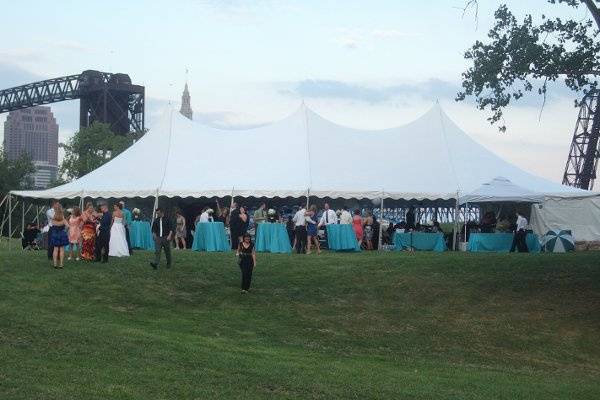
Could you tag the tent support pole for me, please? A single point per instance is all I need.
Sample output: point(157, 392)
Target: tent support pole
point(380, 242)
point(155, 206)
point(9, 220)
point(466, 214)
point(455, 230)
point(307, 198)
point(23, 217)
point(231, 204)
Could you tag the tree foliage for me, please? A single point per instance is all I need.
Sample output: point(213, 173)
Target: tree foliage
point(15, 174)
point(90, 148)
point(525, 55)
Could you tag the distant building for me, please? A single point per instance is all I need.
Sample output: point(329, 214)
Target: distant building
point(186, 106)
point(33, 131)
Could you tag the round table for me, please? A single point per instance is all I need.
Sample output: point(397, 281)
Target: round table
point(500, 242)
point(140, 235)
point(341, 237)
point(210, 236)
point(272, 238)
point(419, 241)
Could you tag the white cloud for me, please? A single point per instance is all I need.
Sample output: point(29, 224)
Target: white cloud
point(353, 38)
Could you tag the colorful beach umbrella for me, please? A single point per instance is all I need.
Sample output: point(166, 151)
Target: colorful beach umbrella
point(558, 241)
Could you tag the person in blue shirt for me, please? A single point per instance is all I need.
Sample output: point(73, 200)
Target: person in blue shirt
point(103, 238)
point(127, 220)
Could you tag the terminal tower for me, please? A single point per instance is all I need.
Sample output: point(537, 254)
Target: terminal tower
point(186, 107)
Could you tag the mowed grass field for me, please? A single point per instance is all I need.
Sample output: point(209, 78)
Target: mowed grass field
point(335, 326)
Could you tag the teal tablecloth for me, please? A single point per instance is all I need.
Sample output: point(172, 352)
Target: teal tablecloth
point(272, 238)
point(140, 235)
point(210, 236)
point(419, 241)
point(500, 242)
point(341, 237)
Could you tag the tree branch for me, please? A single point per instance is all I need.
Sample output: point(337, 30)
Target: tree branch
point(593, 10)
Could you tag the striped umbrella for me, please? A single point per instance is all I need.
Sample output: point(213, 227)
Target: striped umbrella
point(558, 241)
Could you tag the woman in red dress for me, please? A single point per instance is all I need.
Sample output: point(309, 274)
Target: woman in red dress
point(357, 225)
point(88, 233)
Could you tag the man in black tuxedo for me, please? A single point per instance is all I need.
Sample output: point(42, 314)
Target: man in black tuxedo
point(103, 238)
point(162, 231)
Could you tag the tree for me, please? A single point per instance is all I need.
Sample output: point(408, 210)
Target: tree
point(524, 56)
point(90, 148)
point(15, 174)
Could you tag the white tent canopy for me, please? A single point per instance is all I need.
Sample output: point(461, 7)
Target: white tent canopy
point(500, 190)
point(429, 158)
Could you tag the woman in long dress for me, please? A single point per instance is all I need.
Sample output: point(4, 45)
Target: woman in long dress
point(88, 233)
point(75, 223)
point(117, 246)
point(180, 231)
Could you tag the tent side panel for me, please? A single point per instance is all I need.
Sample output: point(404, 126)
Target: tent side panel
point(580, 215)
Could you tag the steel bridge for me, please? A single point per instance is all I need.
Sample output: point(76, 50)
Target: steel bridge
point(103, 97)
point(582, 163)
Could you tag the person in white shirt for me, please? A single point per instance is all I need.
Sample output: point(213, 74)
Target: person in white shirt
point(300, 229)
point(206, 216)
point(345, 217)
point(50, 216)
point(329, 217)
point(519, 240)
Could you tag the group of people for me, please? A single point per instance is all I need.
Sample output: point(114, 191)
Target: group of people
point(93, 234)
point(306, 226)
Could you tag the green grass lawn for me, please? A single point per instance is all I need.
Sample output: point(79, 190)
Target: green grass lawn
point(347, 326)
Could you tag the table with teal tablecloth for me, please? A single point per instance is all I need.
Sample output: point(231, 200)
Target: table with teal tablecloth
point(140, 235)
point(419, 241)
point(499, 242)
point(341, 237)
point(210, 236)
point(272, 238)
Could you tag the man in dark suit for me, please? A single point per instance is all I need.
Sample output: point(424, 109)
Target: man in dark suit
point(103, 238)
point(162, 231)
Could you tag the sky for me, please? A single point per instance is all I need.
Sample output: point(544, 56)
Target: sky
point(375, 64)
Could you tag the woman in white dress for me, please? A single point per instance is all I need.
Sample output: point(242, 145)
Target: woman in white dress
point(117, 247)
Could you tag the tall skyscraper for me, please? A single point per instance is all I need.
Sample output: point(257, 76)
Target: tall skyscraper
point(186, 106)
point(33, 131)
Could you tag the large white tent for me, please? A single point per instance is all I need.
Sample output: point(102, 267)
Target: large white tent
point(429, 158)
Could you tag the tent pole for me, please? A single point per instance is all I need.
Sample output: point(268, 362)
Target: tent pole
point(455, 230)
point(155, 206)
point(380, 242)
point(307, 198)
point(81, 199)
point(231, 204)
point(9, 219)
point(465, 214)
point(23, 217)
